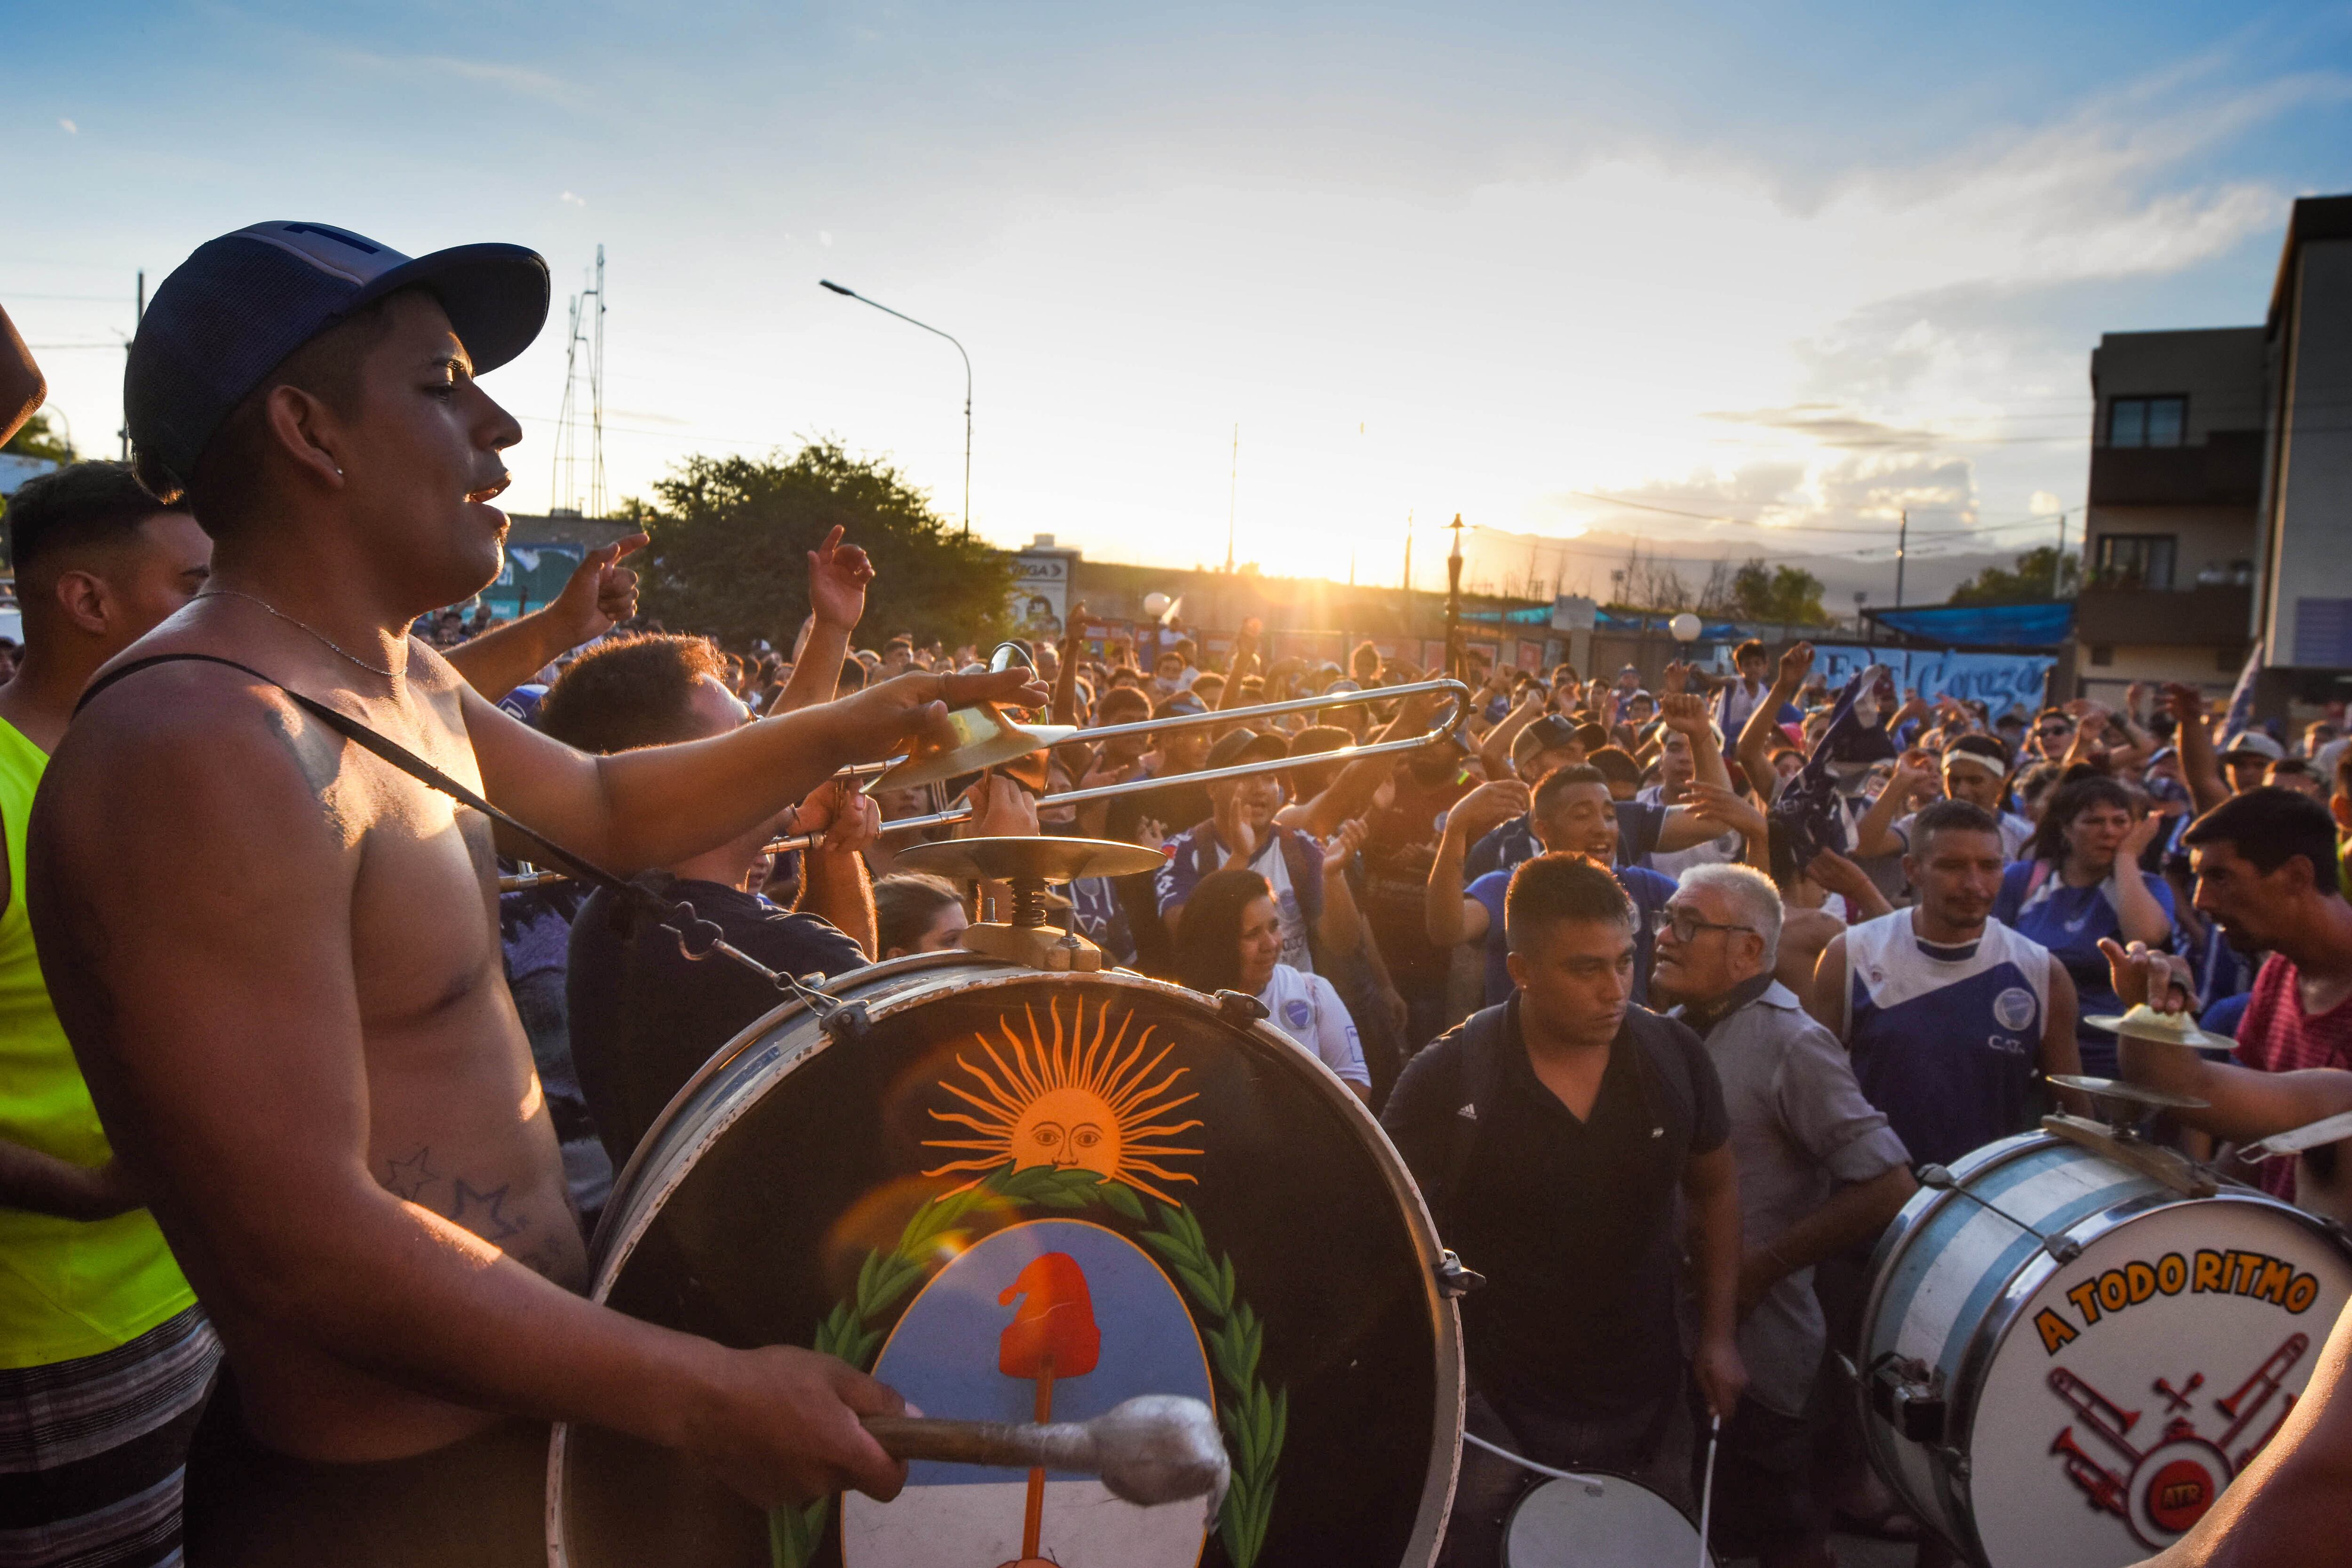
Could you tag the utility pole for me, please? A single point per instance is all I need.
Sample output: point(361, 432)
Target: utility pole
point(1454, 652)
point(2058, 565)
point(1233, 498)
point(1408, 561)
point(138, 319)
point(1901, 543)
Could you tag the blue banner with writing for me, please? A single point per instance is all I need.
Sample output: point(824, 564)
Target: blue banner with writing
point(1998, 680)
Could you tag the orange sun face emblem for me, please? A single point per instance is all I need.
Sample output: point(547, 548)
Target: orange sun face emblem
point(1077, 1101)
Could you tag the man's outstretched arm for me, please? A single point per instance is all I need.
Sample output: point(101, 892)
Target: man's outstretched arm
point(22, 388)
point(223, 1044)
point(659, 806)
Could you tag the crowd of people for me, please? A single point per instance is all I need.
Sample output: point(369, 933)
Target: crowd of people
point(1660, 995)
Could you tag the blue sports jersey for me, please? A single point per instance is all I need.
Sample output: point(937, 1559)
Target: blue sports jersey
point(1944, 1040)
point(1648, 890)
point(2070, 921)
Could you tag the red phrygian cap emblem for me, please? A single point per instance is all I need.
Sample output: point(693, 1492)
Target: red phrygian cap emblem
point(1056, 1319)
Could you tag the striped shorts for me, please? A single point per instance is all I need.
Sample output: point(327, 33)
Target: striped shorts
point(93, 1451)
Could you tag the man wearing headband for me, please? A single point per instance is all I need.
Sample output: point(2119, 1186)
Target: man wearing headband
point(1975, 769)
point(292, 1019)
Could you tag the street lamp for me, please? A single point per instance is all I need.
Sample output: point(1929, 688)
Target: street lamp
point(854, 294)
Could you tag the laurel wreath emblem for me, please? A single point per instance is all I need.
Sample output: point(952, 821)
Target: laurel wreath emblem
point(1255, 1417)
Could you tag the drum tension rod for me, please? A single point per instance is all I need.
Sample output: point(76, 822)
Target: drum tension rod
point(2064, 1248)
point(842, 1021)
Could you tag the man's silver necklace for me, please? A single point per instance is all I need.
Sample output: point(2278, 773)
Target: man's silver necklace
point(393, 675)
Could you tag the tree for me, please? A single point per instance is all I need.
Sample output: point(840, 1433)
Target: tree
point(732, 537)
point(1762, 593)
point(40, 438)
point(2031, 579)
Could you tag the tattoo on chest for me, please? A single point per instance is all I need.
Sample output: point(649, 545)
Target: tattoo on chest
point(483, 1212)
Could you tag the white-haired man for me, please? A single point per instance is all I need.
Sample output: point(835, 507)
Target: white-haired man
point(1819, 1171)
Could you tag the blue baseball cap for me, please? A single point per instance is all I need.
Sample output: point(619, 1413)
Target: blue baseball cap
point(233, 311)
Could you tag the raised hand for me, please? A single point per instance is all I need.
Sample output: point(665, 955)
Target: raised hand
point(838, 575)
point(1729, 807)
point(600, 594)
point(1001, 809)
point(1796, 664)
point(1341, 847)
point(1233, 830)
point(2136, 842)
point(1488, 807)
point(2143, 976)
point(848, 818)
point(1685, 713)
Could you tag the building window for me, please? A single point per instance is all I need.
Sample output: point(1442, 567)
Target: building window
point(2147, 421)
point(2133, 560)
point(2102, 653)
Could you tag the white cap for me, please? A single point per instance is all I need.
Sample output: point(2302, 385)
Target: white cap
point(2254, 741)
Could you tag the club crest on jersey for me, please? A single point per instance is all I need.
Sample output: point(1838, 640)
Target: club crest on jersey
point(1299, 1014)
point(2013, 1008)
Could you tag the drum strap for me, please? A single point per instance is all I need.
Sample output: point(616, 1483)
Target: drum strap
point(698, 939)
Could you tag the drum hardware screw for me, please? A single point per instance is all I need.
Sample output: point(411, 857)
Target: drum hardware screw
point(847, 1024)
point(1238, 1009)
point(1908, 1395)
point(1453, 1280)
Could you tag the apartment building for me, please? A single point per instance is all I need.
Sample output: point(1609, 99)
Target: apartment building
point(2221, 490)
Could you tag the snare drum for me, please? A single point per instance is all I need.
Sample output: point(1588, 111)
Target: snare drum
point(1010, 1194)
point(2066, 1360)
point(1612, 1524)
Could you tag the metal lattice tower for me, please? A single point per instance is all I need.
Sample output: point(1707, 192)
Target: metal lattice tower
point(587, 332)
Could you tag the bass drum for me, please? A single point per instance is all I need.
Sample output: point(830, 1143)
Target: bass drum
point(2066, 1360)
point(1006, 1192)
point(1608, 1523)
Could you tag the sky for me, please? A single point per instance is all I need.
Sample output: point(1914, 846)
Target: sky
point(1564, 270)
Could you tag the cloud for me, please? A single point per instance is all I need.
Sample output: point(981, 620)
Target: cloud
point(69, 126)
point(1826, 424)
point(825, 237)
point(573, 200)
point(521, 80)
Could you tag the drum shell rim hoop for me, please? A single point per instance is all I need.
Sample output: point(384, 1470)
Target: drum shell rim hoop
point(644, 1187)
point(1954, 1491)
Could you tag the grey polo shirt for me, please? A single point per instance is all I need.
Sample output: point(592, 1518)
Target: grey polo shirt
point(1800, 1128)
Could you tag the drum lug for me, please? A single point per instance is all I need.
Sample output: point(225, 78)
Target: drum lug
point(1954, 1461)
point(846, 1024)
point(1453, 1280)
point(1908, 1395)
point(1239, 1010)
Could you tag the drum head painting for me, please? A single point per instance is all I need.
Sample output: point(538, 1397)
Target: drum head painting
point(2142, 1376)
point(1018, 1198)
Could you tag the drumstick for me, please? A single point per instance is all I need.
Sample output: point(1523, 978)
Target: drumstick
point(1152, 1449)
point(1706, 1490)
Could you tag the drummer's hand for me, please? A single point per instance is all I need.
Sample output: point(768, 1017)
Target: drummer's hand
point(2141, 976)
point(877, 722)
point(784, 1428)
point(1721, 1375)
point(1000, 809)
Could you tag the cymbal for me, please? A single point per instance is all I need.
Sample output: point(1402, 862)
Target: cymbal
point(2130, 1093)
point(2144, 1023)
point(985, 738)
point(1040, 859)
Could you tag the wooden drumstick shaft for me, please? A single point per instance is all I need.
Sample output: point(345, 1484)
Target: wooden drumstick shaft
point(1065, 1445)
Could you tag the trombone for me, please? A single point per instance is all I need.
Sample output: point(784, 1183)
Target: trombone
point(1457, 712)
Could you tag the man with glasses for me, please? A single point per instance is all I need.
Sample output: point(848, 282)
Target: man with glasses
point(2053, 732)
point(1819, 1171)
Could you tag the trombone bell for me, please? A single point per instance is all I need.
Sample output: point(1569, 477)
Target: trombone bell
point(985, 738)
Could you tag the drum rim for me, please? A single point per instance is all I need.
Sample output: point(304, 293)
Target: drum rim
point(751, 1034)
point(1955, 1492)
point(1525, 1497)
point(612, 1251)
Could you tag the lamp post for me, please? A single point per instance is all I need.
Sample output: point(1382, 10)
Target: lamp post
point(853, 294)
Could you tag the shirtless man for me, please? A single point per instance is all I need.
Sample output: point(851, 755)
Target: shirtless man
point(292, 1020)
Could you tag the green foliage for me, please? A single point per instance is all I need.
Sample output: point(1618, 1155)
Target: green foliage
point(1762, 592)
point(2031, 579)
point(731, 538)
point(40, 438)
point(1256, 1419)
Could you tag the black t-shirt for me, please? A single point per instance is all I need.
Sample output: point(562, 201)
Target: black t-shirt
point(1571, 1222)
point(644, 1017)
